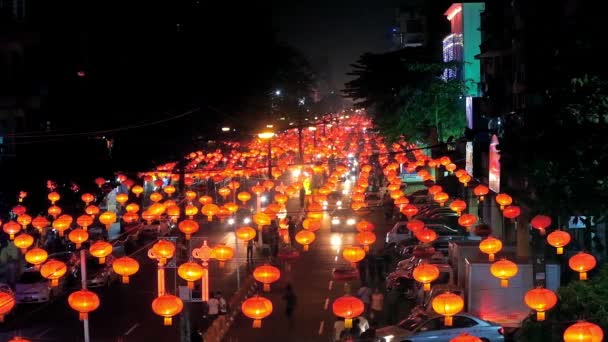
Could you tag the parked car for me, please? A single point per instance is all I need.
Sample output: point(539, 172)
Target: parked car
point(373, 199)
point(434, 329)
point(398, 233)
point(33, 288)
point(343, 220)
point(98, 275)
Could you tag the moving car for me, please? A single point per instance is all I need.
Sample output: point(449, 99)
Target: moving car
point(98, 275)
point(434, 329)
point(343, 220)
point(33, 288)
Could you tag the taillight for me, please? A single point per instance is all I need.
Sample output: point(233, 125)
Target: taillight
point(501, 331)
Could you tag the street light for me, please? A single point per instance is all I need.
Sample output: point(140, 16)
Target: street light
point(225, 129)
point(268, 135)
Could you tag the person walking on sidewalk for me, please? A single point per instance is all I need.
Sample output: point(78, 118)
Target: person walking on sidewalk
point(377, 306)
point(290, 304)
point(250, 244)
point(365, 294)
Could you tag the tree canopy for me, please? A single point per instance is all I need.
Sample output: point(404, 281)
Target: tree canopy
point(407, 95)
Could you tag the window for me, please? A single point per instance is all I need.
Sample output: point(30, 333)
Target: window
point(433, 324)
point(462, 322)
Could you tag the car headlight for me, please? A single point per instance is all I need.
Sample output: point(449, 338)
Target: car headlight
point(339, 203)
point(247, 220)
point(325, 203)
point(351, 221)
point(335, 221)
point(230, 221)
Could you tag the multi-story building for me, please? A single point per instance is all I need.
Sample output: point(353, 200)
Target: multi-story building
point(410, 29)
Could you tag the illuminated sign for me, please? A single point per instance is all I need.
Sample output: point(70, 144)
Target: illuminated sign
point(469, 158)
point(494, 167)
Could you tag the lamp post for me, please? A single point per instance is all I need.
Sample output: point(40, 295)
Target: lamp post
point(267, 136)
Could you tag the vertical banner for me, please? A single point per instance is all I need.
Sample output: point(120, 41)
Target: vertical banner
point(494, 167)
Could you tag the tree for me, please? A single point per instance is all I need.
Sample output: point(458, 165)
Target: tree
point(407, 95)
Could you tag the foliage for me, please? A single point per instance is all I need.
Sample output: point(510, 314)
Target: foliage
point(407, 96)
point(578, 300)
point(567, 165)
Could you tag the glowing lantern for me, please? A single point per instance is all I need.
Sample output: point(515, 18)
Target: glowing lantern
point(396, 194)
point(364, 226)
point(84, 221)
point(511, 212)
point(125, 267)
point(78, 236)
point(245, 233)
point(582, 263)
point(402, 201)
point(451, 167)
point(130, 217)
point(188, 227)
point(100, 250)
point(36, 256)
point(504, 270)
point(305, 238)
point(414, 225)
point(583, 332)
point(257, 189)
point(559, 239)
point(53, 270)
point(108, 218)
point(261, 219)
point(190, 195)
point(540, 300)
point(7, 303)
point(244, 196)
point(83, 301)
point(122, 198)
point(11, 228)
point(231, 207)
point(490, 246)
point(190, 210)
point(40, 223)
point(137, 190)
point(53, 197)
point(353, 254)
point(222, 253)
point(190, 272)
point(163, 250)
point(365, 238)
point(426, 235)
point(503, 200)
point(91, 210)
point(167, 306)
point(315, 211)
point(268, 184)
point(62, 223)
point(435, 189)
point(458, 206)
point(224, 192)
point(19, 210)
point(465, 337)
point(448, 304)
point(464, 179)
point(441, 198)
point(24, 220)
point(132, 208)
point(23, 241)
point(311, 225)
point(426, 274)
point(257, 308)
point(480, 191)
point(409, 210)
point(54, 211)
point(100, 181)
point(467, 220)
point(280, 198)
point(169, 190)
point(266, 275)
point(155, 197)
point(540, 222)
point(348, 307)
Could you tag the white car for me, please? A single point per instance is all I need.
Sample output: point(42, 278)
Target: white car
point(398, 233)
point(373, 199)
point(434, 329)
point(33, 288)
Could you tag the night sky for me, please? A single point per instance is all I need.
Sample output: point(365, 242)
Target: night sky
point(336, 30)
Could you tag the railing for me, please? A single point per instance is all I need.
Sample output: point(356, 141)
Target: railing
point(219, 328)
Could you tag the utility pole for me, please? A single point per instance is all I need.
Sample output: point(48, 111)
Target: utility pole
point(83, 280)
point(184, 324)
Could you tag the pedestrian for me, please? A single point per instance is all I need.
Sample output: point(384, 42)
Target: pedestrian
point(290, 304)
point(291, 228)
point(377, 305)
point(214, 307)
point(250, 244)
point(338, 328)
point(222, 304)
point(362, 267)
point(365, 294)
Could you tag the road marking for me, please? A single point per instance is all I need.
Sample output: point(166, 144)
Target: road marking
point(331, 284)
point(321, 327)
point(131, 329)
point(326, 303)
point(44, 332)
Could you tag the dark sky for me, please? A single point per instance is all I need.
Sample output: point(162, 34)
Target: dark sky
point(340, 30)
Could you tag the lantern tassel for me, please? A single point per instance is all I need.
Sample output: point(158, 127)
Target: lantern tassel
point(167, 321)
point(125, 279)
point(348, 323)
point(560, 250)
point(305, 248)
point(427, 287)
point(257, 323)
point(491, 257)
point(82, 316)
point(504, 283)
point(266, 287)
point(540, 316)
point(448, 321)
point(582, 276)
